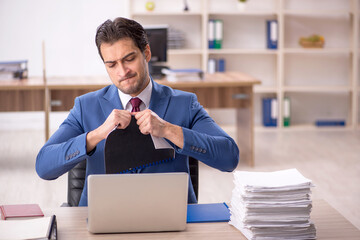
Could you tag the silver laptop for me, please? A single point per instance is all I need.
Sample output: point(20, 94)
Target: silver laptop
point(137, 202)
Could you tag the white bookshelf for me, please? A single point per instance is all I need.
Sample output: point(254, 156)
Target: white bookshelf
point(321, 83)
point(241, 51)
point(317, 12)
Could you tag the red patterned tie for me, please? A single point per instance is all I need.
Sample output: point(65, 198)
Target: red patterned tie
point(135, 103)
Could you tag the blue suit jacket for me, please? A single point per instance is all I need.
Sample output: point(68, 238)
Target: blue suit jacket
point(203, 138)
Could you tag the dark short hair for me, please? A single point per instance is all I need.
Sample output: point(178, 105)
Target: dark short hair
point(113, 31)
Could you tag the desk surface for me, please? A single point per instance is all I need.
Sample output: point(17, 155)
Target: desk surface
point(24, 84)
point(233, 79)
point(329, 224)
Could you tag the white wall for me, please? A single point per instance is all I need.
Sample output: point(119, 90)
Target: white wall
point(68, 28)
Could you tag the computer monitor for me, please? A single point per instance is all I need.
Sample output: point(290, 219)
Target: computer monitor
point(157, 36)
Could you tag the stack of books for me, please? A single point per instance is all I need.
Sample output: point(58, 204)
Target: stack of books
point(272, 205)
point(13, 70)
point(26, 221)
point(176, 39)
point(188, 74)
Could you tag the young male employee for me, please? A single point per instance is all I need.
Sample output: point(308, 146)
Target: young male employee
point(163, 112)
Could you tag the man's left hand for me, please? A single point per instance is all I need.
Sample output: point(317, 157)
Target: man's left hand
point(150, 123)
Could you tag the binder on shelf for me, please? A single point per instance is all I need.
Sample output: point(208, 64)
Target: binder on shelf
point(211, 65)
point(330, 123)
point(122, 153)
point(216, 65)
point(211, 33)
point(221, 65)
point(218, 33)
point(270, 112)
point(212, 212)
point(272, 34)
point(286, 114)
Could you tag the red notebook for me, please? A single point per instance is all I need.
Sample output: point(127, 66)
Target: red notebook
point(20, 211)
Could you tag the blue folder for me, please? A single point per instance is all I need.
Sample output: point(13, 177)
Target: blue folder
point(212, 212)
point(329, 123)
point(272, 34)
point(269, 112)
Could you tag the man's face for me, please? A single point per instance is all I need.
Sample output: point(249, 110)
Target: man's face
point(126, 65)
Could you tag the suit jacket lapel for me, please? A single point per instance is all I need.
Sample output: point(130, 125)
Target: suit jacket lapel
point(159, 100)
point(110, 100)
point(158, 103)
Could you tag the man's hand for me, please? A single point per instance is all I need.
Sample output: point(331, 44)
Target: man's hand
point(117, 119)
point(150, 123)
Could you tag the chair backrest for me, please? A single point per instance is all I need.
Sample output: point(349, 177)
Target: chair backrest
point(194, 175)
point(76, 180)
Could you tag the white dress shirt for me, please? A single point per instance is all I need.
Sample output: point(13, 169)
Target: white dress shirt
point(145, 97)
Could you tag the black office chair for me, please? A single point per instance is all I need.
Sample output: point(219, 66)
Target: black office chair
point(76, 181)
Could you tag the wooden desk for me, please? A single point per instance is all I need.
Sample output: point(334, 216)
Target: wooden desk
point(329, 224)
point(219, 90)
point(22, 95)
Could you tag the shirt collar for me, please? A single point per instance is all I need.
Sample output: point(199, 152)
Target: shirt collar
point(145, 97)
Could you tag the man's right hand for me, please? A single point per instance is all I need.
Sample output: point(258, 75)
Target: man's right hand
point(117, 119)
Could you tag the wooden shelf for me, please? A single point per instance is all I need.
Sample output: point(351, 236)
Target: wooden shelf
point(317, 89)
point(241, 51)
point(317, 12)
point(245, 13)
point(301, 127)
point(317, 50)
point(312, 127)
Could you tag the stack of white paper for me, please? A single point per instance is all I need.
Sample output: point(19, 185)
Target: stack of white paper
point(186, 74)
point(272, 205)
point(176, 38)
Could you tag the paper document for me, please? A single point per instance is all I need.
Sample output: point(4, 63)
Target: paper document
point(272, 205)
point(160, 143)
point(286, 179)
